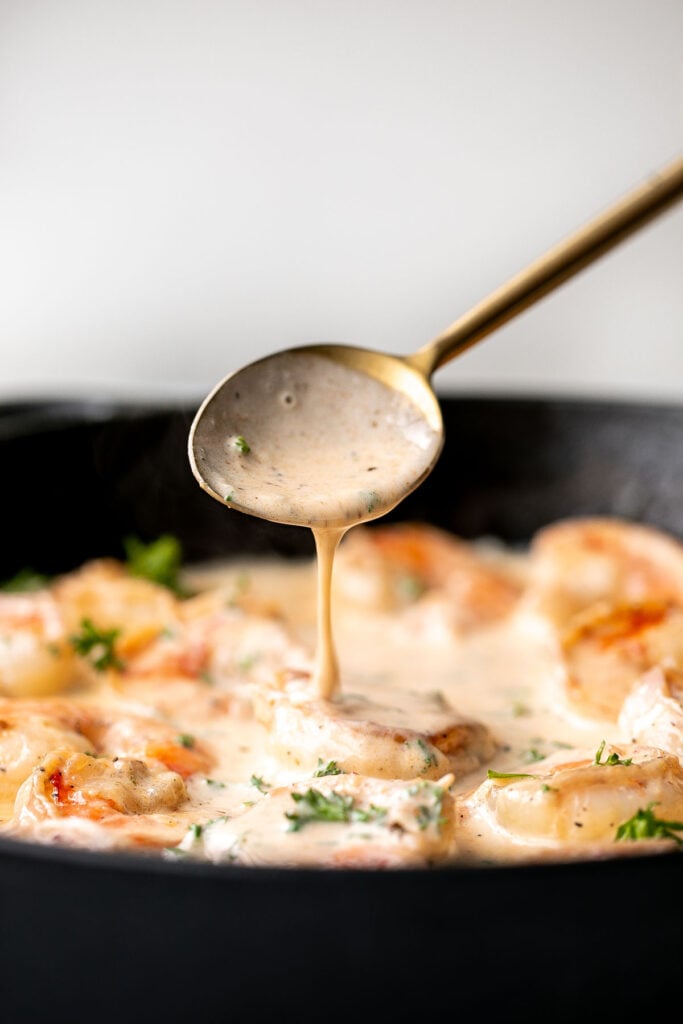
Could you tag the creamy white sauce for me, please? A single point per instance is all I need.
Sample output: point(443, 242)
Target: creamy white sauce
point(397, 672)
point(326, 662)
point(505, 676)
point(303, 440)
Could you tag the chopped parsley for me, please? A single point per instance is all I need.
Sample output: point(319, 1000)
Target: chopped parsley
point(197, 831)
point(158, 561)
point(410, 588)
point(612, 758)
point(509, 774)
point(186, 740)
point(645, 825)
point(258, 782)
point(228, 497)
point(533, 754)
point(215, 784)
point(97, 646)
point(331, 768)
point(428, 753)
point(337, 807)
point(241, 445)
point(520, 709)
point(491, 774)
point(24, 581)
point(370, 500)
point(429, 814)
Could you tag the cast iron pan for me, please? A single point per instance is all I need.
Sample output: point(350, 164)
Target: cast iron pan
point(102, 938)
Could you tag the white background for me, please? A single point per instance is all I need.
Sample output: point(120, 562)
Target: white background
point(188, 184)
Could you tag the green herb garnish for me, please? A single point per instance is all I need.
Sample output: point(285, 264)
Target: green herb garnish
point(428, 753)
point(410, 588)
point(97, 646)
point(429, 814)
point(186, 740)
point(337, 807)
point(370, 500)
point(491, 774)
point(645, 825)
point(25, 581)
point(215, 784)
point(331, 768)
point(241, 445)
point(158, 561)
point(612, 758)
point(258, 782)
point(519, 709)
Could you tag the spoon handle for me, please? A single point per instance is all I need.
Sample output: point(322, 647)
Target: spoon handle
point(555, 267)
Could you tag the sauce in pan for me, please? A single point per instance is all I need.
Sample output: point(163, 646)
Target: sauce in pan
point(496, 705)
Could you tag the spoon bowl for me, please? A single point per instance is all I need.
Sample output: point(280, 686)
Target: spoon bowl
point(319, 436)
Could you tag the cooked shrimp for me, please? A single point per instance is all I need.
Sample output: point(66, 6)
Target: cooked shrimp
point(225, 644)
point(607, 650)
point(121, 734)
point(29, 730)
point(418, 735)
point(581, 562)
point(104, 593)
point(388, 568)
point(575, 798)
point(103, 791)
point(336, 821)
point(36, 658)
point(653, 711)
point(27, 734)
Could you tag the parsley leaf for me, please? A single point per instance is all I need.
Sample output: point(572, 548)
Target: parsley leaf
point(370, 500)
point(242, 445)
point(331, 768)
point(97, 646)
point(429, 814)
point(612, 758)
point(428, 753)
point(337, 807)
point(491, 774)
point(257, 781)
point(645, 825)
point(158, 561)
point(24, 581)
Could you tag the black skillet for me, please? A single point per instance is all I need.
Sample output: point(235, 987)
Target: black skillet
point(101, 938)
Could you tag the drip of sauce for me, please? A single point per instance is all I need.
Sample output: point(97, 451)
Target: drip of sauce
point(308, 442)
point(326, 678)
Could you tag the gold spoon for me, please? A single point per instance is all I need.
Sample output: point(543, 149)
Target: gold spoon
point(329, 435)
